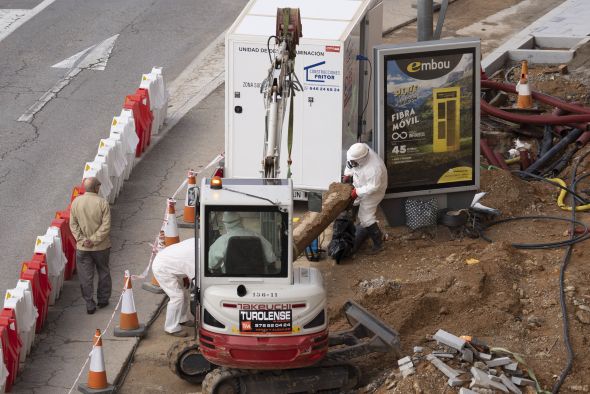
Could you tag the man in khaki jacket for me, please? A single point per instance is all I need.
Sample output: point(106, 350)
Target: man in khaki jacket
point(90, 222)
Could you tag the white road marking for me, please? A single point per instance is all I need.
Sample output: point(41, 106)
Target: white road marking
point(10, 20)
point(92, 58)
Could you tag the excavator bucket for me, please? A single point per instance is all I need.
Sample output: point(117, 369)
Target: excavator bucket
point(368, 334)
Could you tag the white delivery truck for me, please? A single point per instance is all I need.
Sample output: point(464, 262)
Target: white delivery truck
point(335, 107)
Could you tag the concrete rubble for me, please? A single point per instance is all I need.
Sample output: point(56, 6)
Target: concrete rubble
point(469, 364)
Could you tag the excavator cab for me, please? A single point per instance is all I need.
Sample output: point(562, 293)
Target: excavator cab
point(257, 311)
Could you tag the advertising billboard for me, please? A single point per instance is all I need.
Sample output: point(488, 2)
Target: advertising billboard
point(428, 116)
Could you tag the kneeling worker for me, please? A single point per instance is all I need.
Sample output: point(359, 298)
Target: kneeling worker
point(369, 178)
point(170, 267)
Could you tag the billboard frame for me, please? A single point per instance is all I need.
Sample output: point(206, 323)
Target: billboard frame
point(423, 49)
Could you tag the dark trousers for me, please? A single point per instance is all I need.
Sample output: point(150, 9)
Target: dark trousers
point(86, 263)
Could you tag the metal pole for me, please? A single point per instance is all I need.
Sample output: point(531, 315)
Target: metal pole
point(425, 10)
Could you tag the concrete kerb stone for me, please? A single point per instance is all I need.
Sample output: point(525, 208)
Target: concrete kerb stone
point(482, 380)
point(138, 332)
point(444, 368)
point(509, 385)
point(83, 388)
point(449, 339)
point(498, 362)
point(522, 381)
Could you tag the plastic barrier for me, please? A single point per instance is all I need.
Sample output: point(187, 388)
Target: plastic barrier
point(146, 113)
point(68, 242)
point(100, 171)
point(123, 130)
point(3, 372)
point(9, 359)
point(39, 299)
point(109, 192)
point(31, 312)
point(44, 285)
point(46, 245)
point(161, 93)
point(148, 82)
point(8, 321)
point(112, 153)
point(132, 103)
point(77, 190)
point(61, 259)
point(14, 299)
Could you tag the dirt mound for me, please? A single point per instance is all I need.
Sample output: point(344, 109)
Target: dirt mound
point(508, 193)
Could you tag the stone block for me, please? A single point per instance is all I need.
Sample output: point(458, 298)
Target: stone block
point(449, 339)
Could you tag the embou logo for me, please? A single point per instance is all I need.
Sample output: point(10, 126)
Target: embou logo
point(426, 66)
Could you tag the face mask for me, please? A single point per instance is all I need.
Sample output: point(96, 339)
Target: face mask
point(352, 163)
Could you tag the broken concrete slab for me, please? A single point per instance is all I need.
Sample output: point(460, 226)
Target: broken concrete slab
point(449, 339)
point(512, 367)
point(484, 356)
point(418, 349)
point(444, 368)
point(467, 355)
point(404, 360)
point(498, 362)
point(522, 381)
point(408, 371)
point(455, 382)
point(509, 385)
point(463, 390)
point(443, 355)
point(482, 380)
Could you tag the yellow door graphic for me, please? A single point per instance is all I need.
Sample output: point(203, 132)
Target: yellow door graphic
point(446, 105)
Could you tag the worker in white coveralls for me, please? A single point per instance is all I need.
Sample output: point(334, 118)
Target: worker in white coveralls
point(170, 267)
point(232, 222)
point(369, 178)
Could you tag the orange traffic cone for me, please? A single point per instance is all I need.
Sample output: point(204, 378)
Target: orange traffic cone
point(154, 286)
point(170, 225)
point(525, 100)
point(190, 202)
point(97, 375)
point(128, 322)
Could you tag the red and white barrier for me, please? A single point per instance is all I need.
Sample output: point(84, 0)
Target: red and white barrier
point(3, 372)
point(41, 278)
point(45, 244)
point(31, 312)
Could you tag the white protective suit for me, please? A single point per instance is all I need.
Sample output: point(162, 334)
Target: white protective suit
point(169, 267)
point(233, 226)
point(370, 181)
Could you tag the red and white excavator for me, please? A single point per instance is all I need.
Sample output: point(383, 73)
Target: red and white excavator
point(262, 324)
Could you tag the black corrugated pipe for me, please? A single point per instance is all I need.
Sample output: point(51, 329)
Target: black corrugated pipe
point(542, 160)
point(547, 141)
point(563, 162)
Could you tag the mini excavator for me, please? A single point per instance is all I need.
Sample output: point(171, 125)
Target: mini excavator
point(261, 323)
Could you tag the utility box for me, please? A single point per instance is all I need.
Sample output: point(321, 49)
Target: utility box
point(335, 107)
